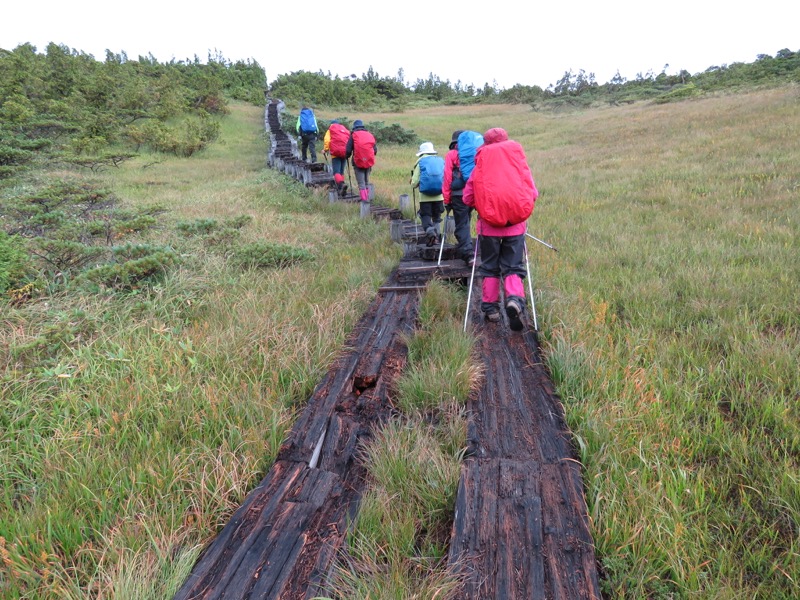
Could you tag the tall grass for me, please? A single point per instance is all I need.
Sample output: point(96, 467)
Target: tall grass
point(132, 426)
point(670, 324)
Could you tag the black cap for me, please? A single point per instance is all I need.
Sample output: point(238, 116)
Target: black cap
point(454, 141)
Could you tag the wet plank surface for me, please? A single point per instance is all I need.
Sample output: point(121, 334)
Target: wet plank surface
point(282, 541)
point(521, 528)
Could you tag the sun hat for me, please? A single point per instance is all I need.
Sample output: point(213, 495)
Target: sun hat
point(358, 123)
point(426, 148)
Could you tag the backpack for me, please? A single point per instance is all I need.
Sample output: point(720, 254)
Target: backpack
point(457, 183)
point(468, 144)
point(431, 171)
point(338, 141)
point(363, 149)
point(503, 184)
point(307, 121)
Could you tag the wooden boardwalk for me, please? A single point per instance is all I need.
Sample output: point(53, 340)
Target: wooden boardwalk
point(282, 541)
point(521, 526)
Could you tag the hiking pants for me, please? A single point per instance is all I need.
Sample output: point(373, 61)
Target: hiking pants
point(309, 143)
point(362, 178)
point(337, 164)
point(462, 215)
point(431, 215)
point(502, 256)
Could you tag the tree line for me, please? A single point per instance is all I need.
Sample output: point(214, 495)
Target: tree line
point(372, 90)
point(63, 104)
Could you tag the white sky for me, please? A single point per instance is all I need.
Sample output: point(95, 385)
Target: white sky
point(507, 41)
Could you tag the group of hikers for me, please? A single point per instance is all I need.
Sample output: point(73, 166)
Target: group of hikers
point(340, 144)
point(486, 173)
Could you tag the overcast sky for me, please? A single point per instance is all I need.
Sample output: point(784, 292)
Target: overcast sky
point(502, 41)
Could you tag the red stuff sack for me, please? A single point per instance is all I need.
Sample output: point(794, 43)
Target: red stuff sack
point(502, 184)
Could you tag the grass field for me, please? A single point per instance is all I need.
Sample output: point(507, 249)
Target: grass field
point(132, 426)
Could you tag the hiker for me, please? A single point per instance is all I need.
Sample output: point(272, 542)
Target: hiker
point(335, 145)
point(502, 190)
point(427, 177)
point(453, 192)
point(307, 130)
point(362, 147)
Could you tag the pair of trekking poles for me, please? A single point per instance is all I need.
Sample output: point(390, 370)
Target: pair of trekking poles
point(475, 260)
point(530, 283)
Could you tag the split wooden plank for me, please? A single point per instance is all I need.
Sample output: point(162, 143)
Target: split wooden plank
point(497, 542)
point(283, 540)
point(400, 322)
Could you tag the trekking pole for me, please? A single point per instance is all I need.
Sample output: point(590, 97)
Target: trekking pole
point(471, 279)
point(541, 242)
point(414, 192)
point(530, 286)
point(444, 235)
point(349, 179)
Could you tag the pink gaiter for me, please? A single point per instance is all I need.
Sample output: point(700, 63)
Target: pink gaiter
point(513, 286)
point(491, 289)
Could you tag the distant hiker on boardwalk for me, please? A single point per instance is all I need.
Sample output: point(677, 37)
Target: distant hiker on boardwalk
point(453, 192)
point(427, 177)
point(307, 130)
point(362, 147)
point(502, 190)
point(335, 145)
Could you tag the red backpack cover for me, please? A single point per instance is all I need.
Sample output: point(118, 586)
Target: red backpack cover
point(502, 184)
point(338, 141)
point(363, 149)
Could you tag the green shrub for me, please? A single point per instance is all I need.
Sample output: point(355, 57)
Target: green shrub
point(13, 262)
point(682, 92)
point(134, 264)
point(213, 232)
point(266, 255)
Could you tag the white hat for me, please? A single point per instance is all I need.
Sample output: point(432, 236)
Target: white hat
point(426, 148)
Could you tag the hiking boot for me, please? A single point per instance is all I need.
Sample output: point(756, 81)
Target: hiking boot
point(470, 260)
point(493, 316)
point(343, 191)
point(514, 312)
point(430, 238)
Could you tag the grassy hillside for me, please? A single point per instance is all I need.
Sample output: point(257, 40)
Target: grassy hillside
point(672, 328)
point(132, 425)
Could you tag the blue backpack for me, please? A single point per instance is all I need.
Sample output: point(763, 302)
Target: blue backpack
point(431, 172)
point(307, 121)
point(468, 144)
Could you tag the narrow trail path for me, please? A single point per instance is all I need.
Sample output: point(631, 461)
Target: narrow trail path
point(521, 527)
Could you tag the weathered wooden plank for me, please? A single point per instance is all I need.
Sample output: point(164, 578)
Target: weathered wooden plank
point(520, 563)
point(497, 532)
point(543, 542)
point(514, 415)
point(568, 544)
point(266, 568)
point(387, 332)
point(401, 288)
point(218, 564)
point(341, 444)
point(336, 385)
